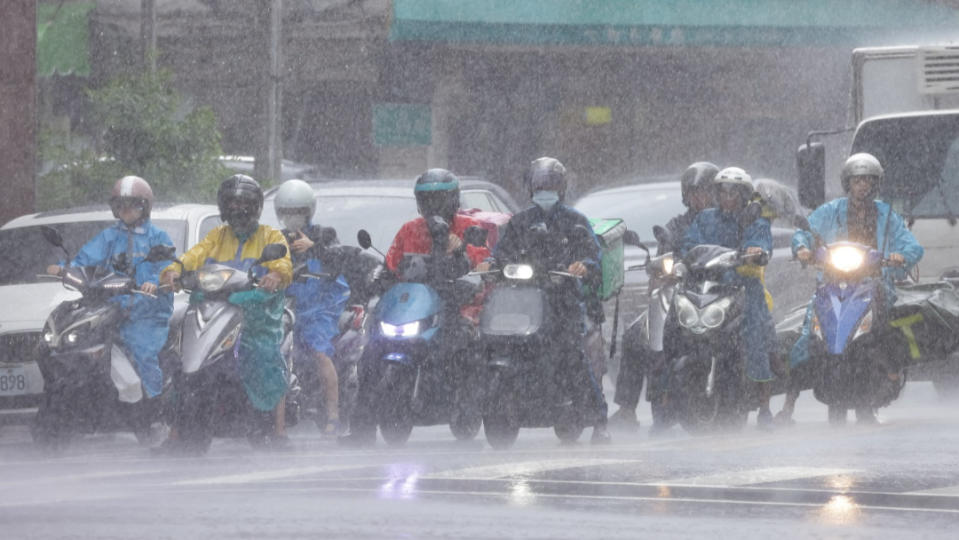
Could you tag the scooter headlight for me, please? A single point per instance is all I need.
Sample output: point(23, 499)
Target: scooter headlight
point(715, 313)
point(686, 312)
point(404, 330)
point(667, 265)
point(212, 281)
point(846, 258)
point(518, 271)
point(865, 325)
point(47, 335)
point(72, 338)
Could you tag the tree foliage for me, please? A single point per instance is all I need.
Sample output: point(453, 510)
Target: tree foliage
point(141, 128)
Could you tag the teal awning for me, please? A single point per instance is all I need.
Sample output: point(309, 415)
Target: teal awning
point(63, 32)
point(657, 22)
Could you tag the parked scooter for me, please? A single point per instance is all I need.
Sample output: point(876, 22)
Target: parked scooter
point(706, 356)
point(90, 380)
point(534, 380)
point(354, 333)
point(853, 369)
point(210, 398)
point(424, 380)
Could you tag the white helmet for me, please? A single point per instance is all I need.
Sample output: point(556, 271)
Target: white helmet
point(737, 177)
point(861, 164)
point(295, 204)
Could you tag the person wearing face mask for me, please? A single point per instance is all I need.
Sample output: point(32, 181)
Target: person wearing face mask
point(732, 226)
point(121, 248)
point(238, 243)
point(858, 217)
point(573, 248)
point(437, 195)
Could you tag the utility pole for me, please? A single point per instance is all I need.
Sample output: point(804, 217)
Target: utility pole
point(148, 34)
point(18, 107)
point(269, 154)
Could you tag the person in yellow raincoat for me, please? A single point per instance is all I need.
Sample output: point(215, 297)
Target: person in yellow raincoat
point(239, 243)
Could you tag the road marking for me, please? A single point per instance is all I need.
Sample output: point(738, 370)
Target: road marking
point(264, 476)
point(525, 468)
point(755, 476)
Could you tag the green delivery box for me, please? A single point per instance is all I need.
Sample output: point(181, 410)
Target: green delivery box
point(610, 233)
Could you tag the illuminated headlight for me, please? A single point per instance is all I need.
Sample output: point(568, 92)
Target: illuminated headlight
point(667, 265)
point(518, 271)
point(846, 258)
point(72, 338)
point(865, 325)
point(715, 313)
point(403, 330)
point(47, 335)
point(686, 312)
point(213, 281)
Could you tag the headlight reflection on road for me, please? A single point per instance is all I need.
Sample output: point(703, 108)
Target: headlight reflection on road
point(840, 510)
point(520, 493)
point(401, 483)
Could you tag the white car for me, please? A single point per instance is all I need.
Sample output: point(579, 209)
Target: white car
point(27, 301)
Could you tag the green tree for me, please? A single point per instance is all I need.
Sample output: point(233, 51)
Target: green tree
point(142, 128)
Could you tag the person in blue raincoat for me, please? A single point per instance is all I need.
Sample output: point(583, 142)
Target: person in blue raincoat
point(318, 303)
point(724, 226)
point(122, 248)
point(858, 217)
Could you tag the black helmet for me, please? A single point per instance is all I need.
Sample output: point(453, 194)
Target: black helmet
point(546, 174)
point(437, 193)
point(240, 200)
point(697, 176)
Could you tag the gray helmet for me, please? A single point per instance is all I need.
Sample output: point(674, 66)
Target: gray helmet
point(698, 175)
point(295, 204)
point(546, 174)
point(861, 164)
point(737, 177)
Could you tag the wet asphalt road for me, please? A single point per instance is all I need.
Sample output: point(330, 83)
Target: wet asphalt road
point(811, 480)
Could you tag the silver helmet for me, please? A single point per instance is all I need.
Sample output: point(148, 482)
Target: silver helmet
point(295, 204)
point(861, 164)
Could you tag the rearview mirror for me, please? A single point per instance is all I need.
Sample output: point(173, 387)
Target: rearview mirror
point(631, 238)
point(161, 253)
point(811, 161)
point(52, 236)
point(272, 252)
point(662, 235)
point(363, 239)
point(475, 236)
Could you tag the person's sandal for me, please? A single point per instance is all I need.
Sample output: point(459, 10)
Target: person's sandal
point(332, 428)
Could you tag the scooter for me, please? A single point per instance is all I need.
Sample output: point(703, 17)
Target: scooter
point(210, 398)
point(705, 354)
point(853, 370)
point(423, 380)
point(90, 380)
point(534, 380)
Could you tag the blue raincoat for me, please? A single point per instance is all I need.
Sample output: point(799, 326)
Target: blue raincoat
point(318, 303)
point(148, 319)
point(713, 226)
point(829, 223)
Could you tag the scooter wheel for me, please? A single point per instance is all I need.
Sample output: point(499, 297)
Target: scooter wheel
point(464, 425)
point(568, 433)
point(500, 433)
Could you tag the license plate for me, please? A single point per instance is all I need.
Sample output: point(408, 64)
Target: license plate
point(14, 381)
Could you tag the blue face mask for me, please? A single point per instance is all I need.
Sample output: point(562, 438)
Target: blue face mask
point(545, 199)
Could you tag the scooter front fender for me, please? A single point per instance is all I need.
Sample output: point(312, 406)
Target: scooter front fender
point(208, 330)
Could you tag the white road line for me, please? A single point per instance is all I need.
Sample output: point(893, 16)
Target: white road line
point(264, 476)
point(525, 468)
point(949, 491)
point(755, 476)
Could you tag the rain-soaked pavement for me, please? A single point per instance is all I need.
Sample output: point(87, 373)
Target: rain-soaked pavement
point(899, 478)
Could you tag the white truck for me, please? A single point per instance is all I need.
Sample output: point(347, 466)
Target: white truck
point(904, 111)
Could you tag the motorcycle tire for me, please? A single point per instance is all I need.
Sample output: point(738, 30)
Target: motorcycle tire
point(465, 425)
point(567, 432)
point(52, 426)
point(195, 404)
point(500, 432)
point(396, 414)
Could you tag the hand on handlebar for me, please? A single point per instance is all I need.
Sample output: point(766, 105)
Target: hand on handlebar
point(271, 282)
point(149, 288)
point(804, 255)
point(578, 269)
point(171, 279)
point(54, 269)
point(896, 259)
point(454, 243)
